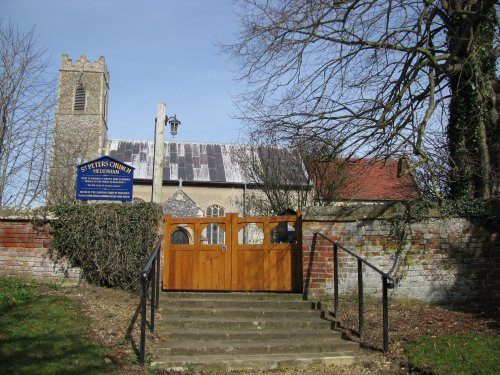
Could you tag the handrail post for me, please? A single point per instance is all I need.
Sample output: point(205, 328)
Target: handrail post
point(144, 279)
point(158, 261)
point(153, 296)
point(387, 283)
point(385, 313)
point(361, 316)
point(150, 273)
point(336, 280)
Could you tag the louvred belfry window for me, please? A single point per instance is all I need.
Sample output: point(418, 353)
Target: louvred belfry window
point(79, 104)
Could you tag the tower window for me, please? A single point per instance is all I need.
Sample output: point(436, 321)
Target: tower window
point(79, 98)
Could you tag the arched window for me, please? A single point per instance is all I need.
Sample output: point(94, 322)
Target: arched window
point(79, 104)
point(179, 237)
point(215, 234)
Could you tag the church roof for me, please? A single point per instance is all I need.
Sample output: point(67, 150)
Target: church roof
point(189, 161)
point(365, 179)
point(361, 179)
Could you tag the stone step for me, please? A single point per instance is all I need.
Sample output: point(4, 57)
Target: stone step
point(221, 347)
point(255, 296)
point(253, 312)
point(237, 323)
point(254, 362)
point(228, 303)
point(202, 335)
point(226, 331)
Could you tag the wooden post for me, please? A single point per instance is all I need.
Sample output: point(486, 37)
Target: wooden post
point(158, 153)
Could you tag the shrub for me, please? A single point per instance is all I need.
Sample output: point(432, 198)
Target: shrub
point(109, 242)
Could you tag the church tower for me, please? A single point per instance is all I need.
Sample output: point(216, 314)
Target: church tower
point(81, 123)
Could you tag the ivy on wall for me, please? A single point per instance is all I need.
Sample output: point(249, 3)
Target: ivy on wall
point(109, 242)
point(484, 212)
point(418, 210)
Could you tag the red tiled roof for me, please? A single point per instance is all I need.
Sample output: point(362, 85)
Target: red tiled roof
point(366, 179)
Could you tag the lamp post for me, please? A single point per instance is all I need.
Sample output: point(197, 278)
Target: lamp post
point(159, 148)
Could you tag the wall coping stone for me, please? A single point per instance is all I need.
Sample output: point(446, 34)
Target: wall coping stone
point(18, 217)
point(360, 211)
point(25, 216)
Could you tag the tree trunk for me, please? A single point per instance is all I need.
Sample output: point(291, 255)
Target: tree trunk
point(473, 129)
point(494, 135)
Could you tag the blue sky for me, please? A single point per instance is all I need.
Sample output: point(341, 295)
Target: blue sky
point(156, 50)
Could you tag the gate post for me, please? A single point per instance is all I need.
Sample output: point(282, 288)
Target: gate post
point(166, 249)
point(232, 243)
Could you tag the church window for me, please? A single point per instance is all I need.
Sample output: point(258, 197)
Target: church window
point(215, 234)
point(179, 237)
point(79, 104)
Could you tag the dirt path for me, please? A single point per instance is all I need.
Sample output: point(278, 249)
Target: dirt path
point(112, 311)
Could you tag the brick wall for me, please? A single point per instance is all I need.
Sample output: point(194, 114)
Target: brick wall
point(23, 252)
point(438, 259)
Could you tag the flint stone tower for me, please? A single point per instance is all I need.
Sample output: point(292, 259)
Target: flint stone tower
point(81, 119)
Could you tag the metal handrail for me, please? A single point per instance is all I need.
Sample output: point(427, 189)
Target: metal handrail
point(387, 283)
point(150, 271)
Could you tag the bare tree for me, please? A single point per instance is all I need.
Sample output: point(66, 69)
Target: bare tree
point(283, 178)
point(327, 170)
point(67, 153)
point(278, 177)
point(27, 98)
point(380, 79)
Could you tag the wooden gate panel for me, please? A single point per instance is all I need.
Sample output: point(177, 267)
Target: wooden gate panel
point(265, 266)
point(197, 266)
point(197, 269)
point(248, 270)
point(263, 270)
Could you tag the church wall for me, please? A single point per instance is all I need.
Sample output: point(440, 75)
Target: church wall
point(201, 195)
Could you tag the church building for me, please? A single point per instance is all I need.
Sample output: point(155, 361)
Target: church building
point(199, 179)
point(194, 179)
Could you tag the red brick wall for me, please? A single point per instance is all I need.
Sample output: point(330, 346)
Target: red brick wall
point(23, 252)
point(317, 260)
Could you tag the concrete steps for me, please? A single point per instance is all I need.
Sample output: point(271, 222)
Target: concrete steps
point(201, 335)
point(226, 331)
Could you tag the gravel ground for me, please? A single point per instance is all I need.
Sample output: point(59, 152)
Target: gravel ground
point(113, 312)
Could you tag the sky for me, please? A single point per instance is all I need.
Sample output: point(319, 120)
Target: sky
point(156, 51)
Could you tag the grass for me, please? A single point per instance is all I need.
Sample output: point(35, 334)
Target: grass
point(41, 333)
point(461, 353)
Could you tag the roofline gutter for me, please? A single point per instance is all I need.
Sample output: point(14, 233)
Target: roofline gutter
point(243, 185)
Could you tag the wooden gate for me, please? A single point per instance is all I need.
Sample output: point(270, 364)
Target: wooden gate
point(233, 253)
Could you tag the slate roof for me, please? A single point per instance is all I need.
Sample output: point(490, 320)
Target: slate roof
point(191, 162)
point(214, 163)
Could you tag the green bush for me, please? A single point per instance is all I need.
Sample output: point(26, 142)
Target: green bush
point(109, 242)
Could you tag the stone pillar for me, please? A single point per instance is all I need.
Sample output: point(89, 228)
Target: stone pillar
point(159, 153)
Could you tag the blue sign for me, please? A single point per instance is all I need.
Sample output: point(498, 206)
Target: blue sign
point(104, 179)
